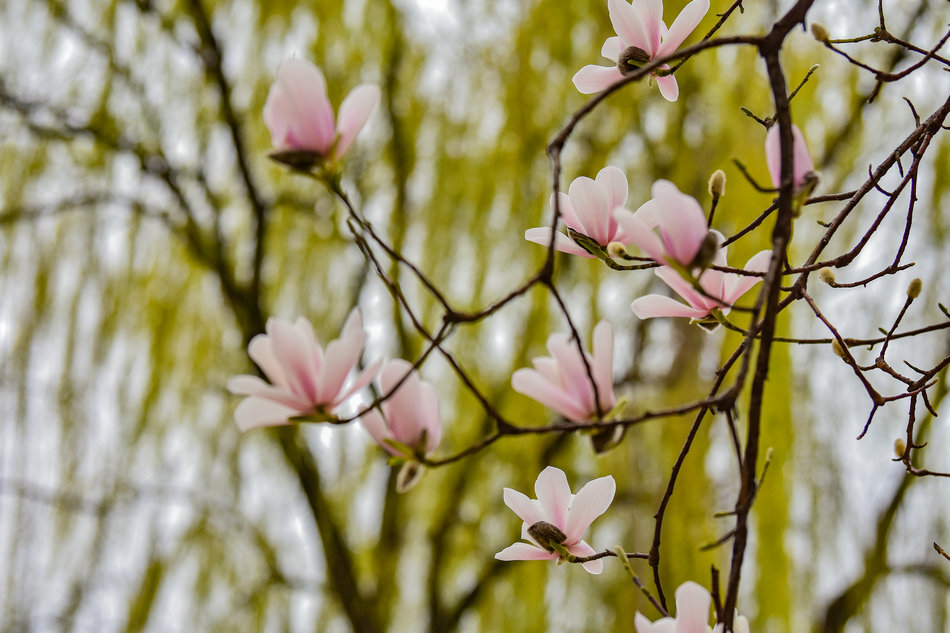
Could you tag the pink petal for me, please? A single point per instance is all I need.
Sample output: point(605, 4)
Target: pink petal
point(573, 372)
point(341, 356)
point(254, 386)
point(528, 510)
point(692, 608)
point(524, 551)
point(532, 384)
point(401, 407)
point(542, 235)
point(254, 413)
point(590, 204)
point(663, 625)
point(612, 48)
point(354, 112)
point(297, 111)
point(291, 350)
point(590, 502)
point(614, 184)
point(659, 306)
point(683, 288)
point(773, 155)
point(641, 235)
point(591, 78)
point(365, 377)
point(583, 549)
point(261, 351)
point(668, 87)
point(429, 418)
point(684, 24)
point(554, 495)
point(741, 284)
point(682, 224)
point(802, 159)
point(628, 25)
point(376, 426)
point(566, 211)
point(651, 15)
point(603, 365)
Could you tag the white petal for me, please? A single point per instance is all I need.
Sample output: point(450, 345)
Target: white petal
point(354, 112)
point(590, 502)
point(591, 78)
point(554, 495)
point(684, 24)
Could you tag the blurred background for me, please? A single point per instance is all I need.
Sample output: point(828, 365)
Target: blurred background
point(134, 269)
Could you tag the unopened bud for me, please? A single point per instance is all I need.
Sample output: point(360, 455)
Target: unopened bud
point(631, 59)
point(617, 250)
point(546, 535)
point(838, 349)
point(913, 290)
point(820, 33)
point(900, 447)
point(827, 275)
point(409, 475)
point(717, 184)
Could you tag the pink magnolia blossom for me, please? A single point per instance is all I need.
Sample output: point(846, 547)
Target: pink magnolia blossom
point(692, 614)
point(588, 209)
point(299, 115)
point(555, 506)
point(724, 289)
point(560, 381)
point(678, 219)
point(641, 36)
point(304, 380)
point(410, 415)
point(801, 159)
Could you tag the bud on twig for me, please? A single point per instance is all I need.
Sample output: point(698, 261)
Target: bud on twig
point(717, 184)
point(409, 475)
point(827, 275)
point(547, 535)
point(900, 446)
point(838, 349)
point(820, 33)
point(913, 290)
point(617, 250)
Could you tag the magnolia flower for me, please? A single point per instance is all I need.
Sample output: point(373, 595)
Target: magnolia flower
point(304, 380)
point(560, 381)
point(680, 222)
point(300, 117)
point(801, 159)
point(692, 614)
point(410, 421)
point(588, 209)
point(558, 517)
point(641, 36)
point(724, 289)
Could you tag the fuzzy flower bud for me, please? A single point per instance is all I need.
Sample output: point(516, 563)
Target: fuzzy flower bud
point(617, 250)
point(913, 290)
point(546, 535)
point(838, 349)
point(820, 33)
point(900, 447)
point(827, 275)
point(717, 184)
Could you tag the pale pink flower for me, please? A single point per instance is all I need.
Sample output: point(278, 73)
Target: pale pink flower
point(801, 159)
point(692, 614)
point(677, 218)
point(560, 381)
point(299, 115)
point(588, 209)
point(570, 514)
point(304, 380)
point(410, 415)
point(641, 36)
point(724, 289)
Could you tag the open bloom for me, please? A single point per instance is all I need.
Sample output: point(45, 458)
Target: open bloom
point(410, 415)
point(801, 159)
point(641, 36)
point(678, 219)
point(560, 381)
point(692, 614)
point(299, 115)
point(304, 380)
point(588, 209)
point(724, 289)
point(558, 517)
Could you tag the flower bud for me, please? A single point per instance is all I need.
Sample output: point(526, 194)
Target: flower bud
point(546, 535)
point(900, 447)
point(827, 275)
point(820, 33)
point(707, 251)
point(717, 184)
point(409, 475)
point(838, 349)
point(913, 290)
point(631, 59)
point(617, 250)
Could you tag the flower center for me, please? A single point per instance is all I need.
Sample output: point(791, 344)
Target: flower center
point(631, 59)
point(545, 534)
